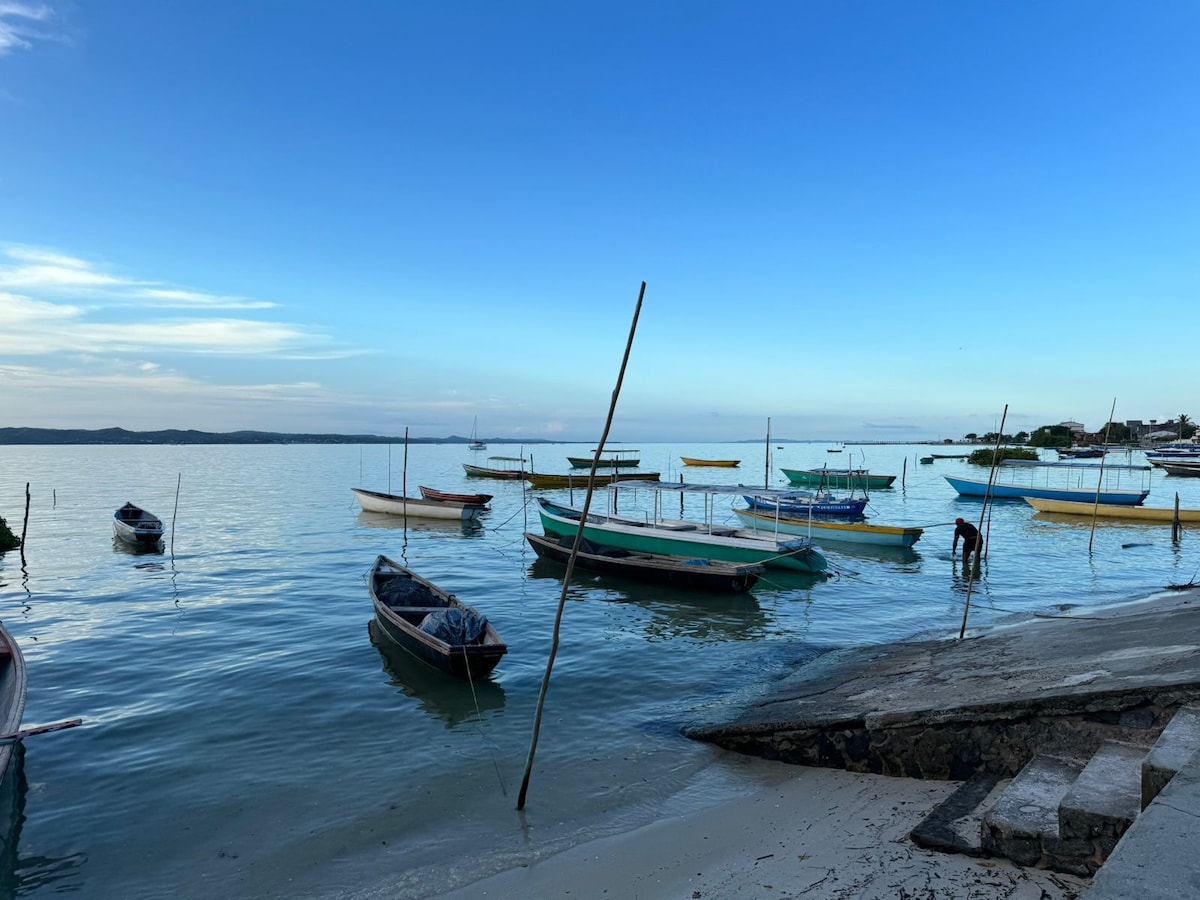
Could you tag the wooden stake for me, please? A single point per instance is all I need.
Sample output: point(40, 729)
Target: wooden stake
point(1175, 527)
point(178, 482)
point(562, 598)
point(1100, 477)
point(25, 524)
point(972, 570)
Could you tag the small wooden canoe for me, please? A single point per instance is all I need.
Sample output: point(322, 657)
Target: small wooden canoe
point(679, 571)
point(715, 463)
point(1112, 511)
point(580, 479)
point(416, 507)
point(12, 694)
point(432, 624)
point(606, 462)
point(136, 526)
point(432, 494)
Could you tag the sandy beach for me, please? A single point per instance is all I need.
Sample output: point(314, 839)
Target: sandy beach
point(800, 832)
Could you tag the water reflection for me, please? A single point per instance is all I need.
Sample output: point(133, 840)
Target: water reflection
point(445, 527)
point(155, 549)
point(25, 875)
point(675, 612)
point(442, 696)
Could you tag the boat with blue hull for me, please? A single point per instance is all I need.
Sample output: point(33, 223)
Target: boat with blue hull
point(804, 504)
point(1018, 479)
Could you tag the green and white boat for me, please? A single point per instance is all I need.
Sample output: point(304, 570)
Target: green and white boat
point(677, 537)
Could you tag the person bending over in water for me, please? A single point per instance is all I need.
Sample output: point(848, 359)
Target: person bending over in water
point(970, 535)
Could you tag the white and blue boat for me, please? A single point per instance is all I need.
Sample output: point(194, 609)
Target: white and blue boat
point(1018, 479)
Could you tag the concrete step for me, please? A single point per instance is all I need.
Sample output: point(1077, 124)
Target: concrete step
point(1176, 745)
point(954, 825)
point(1103, 801)
point(1023, 823)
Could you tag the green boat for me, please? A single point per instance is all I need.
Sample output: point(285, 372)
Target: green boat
point(615, 459)
point(680, 538)
point(839, 479)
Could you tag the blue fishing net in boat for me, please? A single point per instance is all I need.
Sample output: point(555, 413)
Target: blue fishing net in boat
point(456, 626)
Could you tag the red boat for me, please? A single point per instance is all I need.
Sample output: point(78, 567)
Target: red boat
point(430, 494)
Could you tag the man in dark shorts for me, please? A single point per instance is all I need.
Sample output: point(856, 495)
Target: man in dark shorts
point(970, 535)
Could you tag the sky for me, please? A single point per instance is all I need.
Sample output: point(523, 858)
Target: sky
point(858, 220)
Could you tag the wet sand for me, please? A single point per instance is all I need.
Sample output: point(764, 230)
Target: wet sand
point(802, 832)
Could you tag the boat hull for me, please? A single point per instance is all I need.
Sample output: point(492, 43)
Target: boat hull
point(838, 480)
point(414, 507)
point(428, 493)
point(487, 472)
point(13, 684)
point(585, 462)
point(684, 539)
point(1140, 513)
point(580, 480)
point(802, 508)
point(968, 487)
point(402, 625)
point(831, 532)
point(677, 571)
point(714, 463)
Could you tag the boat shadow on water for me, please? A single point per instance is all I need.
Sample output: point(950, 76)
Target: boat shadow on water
point(453, 701)
point(452, 528)
point(155, 549)
point(24, 875)
point(678, 612)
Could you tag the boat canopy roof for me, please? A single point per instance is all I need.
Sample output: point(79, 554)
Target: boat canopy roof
point(612, 451)
point(739, 489)
point(509, 458)
point(1072, 465)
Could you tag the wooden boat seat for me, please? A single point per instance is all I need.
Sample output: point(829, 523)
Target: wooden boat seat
point(420, 609)
point(675, 526)
point(722, 531)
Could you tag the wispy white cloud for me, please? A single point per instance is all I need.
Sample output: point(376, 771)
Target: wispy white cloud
point(23, 23)
point(41, 271)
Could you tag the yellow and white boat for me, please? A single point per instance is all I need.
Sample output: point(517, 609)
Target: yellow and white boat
point(1113, 511)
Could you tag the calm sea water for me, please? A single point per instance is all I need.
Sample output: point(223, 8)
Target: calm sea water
point(245, 735)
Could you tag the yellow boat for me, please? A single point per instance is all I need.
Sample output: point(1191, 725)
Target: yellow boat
point(717, 463)
point(1113, 511)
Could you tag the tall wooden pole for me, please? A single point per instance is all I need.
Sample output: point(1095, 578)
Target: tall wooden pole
point(562, 598)
point(972, 565)
point(1100, 478)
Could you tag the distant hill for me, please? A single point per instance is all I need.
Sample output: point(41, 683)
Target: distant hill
point(175, 436)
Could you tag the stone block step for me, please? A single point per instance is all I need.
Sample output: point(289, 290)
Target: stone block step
point(1023, 823)
point(954, 825)
point(1176, 745)
point(1104, 800)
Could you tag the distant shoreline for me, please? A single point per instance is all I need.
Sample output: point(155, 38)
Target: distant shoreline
point(122, 436)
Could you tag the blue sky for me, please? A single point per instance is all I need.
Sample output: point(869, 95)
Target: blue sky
point(860, 219)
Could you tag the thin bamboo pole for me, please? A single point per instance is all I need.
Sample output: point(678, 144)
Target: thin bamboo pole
point(175, 512)
point(1175, 527)
point(403, 481)
point(562, 598)
point(767, 461)
point(1100, 478)
point(987, 496)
